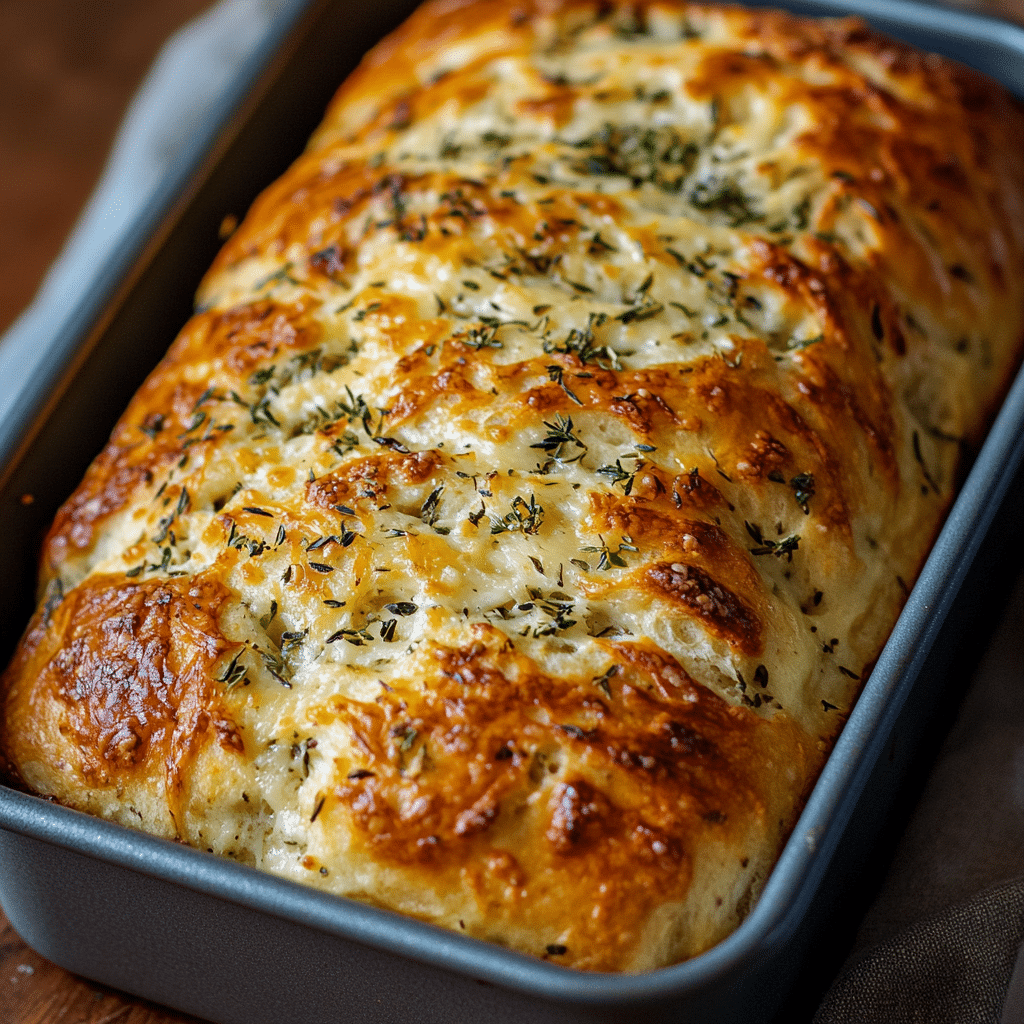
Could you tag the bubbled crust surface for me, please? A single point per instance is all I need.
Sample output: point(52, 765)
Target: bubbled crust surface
point(506, 538)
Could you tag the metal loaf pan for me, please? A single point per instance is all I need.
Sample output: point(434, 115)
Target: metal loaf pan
point(212, 938)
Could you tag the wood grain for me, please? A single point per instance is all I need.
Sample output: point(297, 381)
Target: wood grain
point(67, 72)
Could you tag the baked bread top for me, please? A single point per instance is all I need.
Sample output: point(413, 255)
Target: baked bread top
point(506, 537)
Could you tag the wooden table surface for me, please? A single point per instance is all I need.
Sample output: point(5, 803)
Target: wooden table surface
point(67, 71)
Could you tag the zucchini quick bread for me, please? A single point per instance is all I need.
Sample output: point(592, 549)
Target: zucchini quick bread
point(505, 539)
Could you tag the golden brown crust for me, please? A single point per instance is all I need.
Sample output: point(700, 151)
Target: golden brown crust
point(506, 538)
point(123, 671)
point(676, 766)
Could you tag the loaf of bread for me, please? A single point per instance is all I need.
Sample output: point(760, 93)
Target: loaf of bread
point(505, 539)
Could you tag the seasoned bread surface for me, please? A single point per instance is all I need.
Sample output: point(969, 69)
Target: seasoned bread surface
point(506, 537)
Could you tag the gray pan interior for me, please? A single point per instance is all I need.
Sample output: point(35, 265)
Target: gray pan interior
point(224, 942)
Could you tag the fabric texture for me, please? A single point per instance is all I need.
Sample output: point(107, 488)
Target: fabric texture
point(954, 966)
point(942, 939)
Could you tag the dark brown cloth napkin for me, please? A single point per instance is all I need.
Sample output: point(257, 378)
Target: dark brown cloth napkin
point(952, 967)
point(941, 940)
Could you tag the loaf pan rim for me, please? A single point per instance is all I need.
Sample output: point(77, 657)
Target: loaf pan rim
point(769, 922)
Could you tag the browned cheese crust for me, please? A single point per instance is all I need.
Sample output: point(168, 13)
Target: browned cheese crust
point(505, 539)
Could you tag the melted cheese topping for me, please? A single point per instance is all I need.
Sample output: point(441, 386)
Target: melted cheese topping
point(505, 539)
